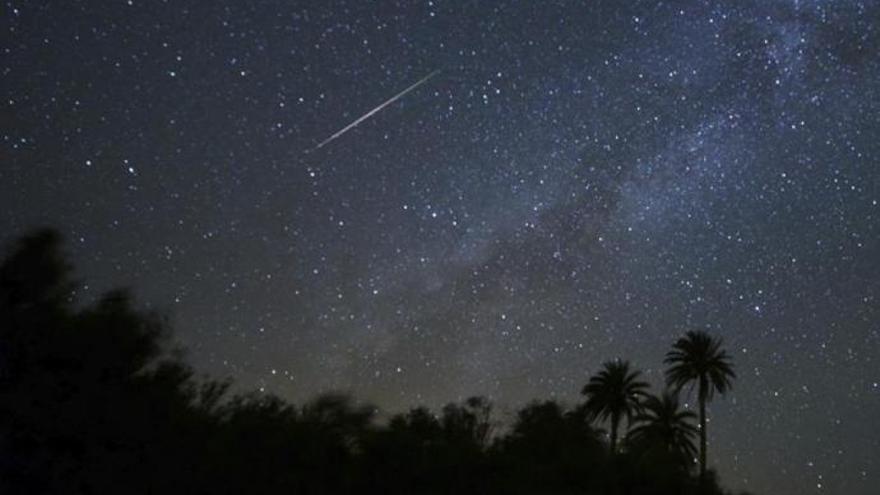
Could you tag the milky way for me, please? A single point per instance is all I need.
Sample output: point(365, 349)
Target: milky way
point(582, 181)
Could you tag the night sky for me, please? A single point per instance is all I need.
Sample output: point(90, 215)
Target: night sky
point(581, 181)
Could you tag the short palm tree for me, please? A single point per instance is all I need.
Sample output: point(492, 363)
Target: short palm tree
point(614, 393)
point(697, 359)
point(663, 425)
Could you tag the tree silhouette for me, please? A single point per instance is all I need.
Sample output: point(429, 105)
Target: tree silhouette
point(614, 393)
point(551, 449)
point(90, 396)
point(95, 399)
point(697, 359)
point(664, 428)
point(404, 456)
point(469, 423)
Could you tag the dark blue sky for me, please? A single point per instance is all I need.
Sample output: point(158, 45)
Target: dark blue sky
point(582, 181)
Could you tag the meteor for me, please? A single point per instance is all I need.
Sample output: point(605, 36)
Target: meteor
point(373, 111)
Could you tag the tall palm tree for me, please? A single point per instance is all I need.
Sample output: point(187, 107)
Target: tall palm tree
point(613, 393)
point(697, 359)
point(663, 425)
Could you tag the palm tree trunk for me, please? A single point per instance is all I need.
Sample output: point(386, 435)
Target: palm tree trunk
point(702, 399)
point(614, 421)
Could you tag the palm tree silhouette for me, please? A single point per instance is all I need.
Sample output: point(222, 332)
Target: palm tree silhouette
point(663, 425)
point(697, 359)
point(612, 393)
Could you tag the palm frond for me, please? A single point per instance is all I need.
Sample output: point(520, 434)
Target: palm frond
point(698, 358)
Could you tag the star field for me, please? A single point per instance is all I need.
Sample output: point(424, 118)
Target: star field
point(581, 181)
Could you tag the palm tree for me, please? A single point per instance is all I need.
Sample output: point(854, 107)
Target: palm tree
point(613, 393)
point(697, 359)
point(663, 425)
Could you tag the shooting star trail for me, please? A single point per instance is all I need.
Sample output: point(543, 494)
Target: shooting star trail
point(373, 111)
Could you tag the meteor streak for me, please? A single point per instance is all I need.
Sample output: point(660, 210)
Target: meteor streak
point(373, 111)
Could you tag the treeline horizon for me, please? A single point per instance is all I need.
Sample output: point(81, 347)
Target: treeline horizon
point(94, 400)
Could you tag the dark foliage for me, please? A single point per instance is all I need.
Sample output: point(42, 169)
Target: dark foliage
point(93, 401)
point(664, 431)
